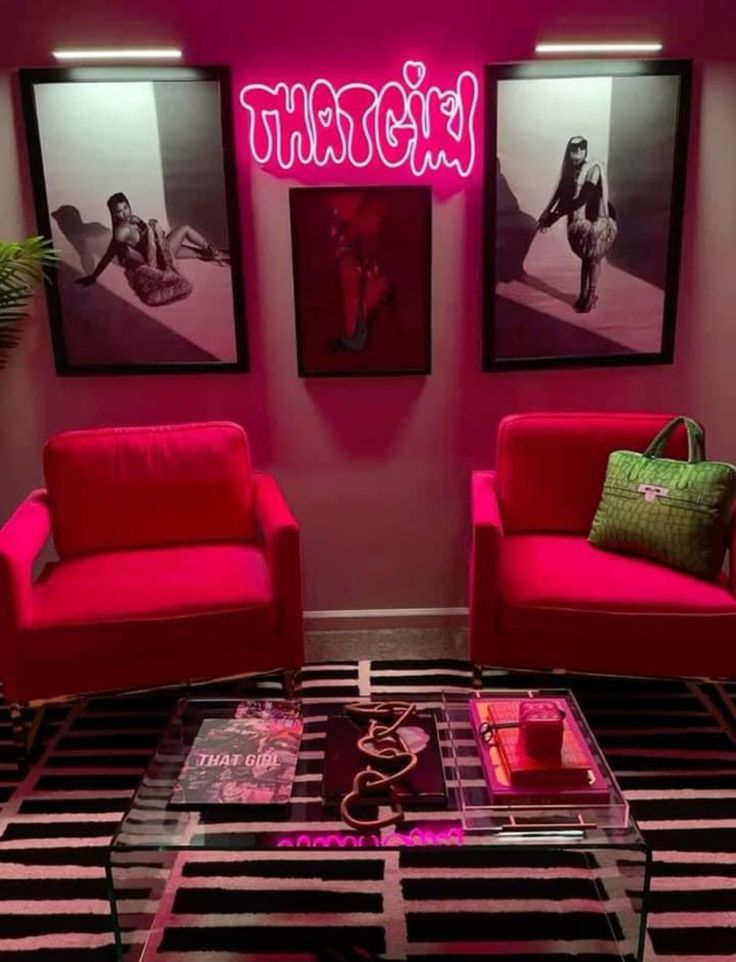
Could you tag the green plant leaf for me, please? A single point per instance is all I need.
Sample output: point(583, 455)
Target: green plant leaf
point(22, 265)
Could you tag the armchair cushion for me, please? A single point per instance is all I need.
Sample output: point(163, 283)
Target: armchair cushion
point(114, 489)
point(569, 605)
point(550, 467)
point(156, 583)
point(543, 573)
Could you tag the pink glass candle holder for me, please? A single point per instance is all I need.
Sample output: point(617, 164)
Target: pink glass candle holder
point(541, 727)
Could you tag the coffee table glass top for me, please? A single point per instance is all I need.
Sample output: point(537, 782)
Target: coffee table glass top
point(469, 818)
point(162, 857)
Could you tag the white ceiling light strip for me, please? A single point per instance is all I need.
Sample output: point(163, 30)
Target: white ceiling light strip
point(121, 53)
point(640, 46)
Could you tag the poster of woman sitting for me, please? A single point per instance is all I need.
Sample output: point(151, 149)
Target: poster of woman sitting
point(139, 202)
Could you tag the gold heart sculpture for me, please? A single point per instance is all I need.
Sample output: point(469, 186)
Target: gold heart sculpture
point(369, 780)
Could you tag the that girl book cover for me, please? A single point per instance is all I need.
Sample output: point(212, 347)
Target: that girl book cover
point(249, 761)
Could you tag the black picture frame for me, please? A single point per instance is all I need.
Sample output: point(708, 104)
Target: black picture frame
point(398, 221)
point(195, 173)
point(516, 334)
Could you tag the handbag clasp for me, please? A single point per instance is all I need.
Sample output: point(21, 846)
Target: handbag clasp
point(652, 491)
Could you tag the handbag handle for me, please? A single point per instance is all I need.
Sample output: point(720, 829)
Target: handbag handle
point(695, 439)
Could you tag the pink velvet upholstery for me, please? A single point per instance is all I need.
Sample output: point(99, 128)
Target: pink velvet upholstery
point(176, 562)
point(136, 487)
point(542, 597)
point(543, 458)
point(153, 583)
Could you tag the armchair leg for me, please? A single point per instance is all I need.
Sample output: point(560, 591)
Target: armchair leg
point(290, 680)
point(18, 725)
point(24, 733)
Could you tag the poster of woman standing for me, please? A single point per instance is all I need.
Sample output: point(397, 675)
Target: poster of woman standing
point(585, 176)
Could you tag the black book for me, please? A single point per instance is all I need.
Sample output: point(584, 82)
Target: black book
point(423, 786)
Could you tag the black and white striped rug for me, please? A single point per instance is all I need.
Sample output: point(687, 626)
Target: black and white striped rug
point(672, 745)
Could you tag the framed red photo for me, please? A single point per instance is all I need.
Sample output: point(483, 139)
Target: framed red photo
point(362, 280)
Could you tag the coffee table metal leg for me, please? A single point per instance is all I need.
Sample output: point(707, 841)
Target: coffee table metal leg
point(113, 908)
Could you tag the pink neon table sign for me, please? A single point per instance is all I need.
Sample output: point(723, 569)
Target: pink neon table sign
point(417, 837)
point(405, 123)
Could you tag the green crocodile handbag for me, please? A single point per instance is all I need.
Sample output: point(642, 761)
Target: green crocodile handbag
point(675, 512)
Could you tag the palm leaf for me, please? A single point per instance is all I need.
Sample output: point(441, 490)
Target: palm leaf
point(22, 265)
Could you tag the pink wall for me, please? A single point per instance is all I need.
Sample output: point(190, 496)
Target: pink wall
point(377, 470)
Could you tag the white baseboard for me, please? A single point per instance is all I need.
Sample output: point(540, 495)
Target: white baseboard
point(386, 618)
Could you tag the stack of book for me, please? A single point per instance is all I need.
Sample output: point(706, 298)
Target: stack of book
point(514, 777)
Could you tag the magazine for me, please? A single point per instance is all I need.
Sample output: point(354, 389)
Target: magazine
point(247, 760)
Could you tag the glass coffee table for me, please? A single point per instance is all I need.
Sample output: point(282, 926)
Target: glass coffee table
point(471, 877)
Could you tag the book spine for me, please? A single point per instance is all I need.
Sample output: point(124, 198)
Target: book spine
point(499, 741)
point(484, 752)
point(569, 798)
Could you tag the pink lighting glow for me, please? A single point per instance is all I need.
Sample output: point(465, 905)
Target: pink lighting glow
point(417, 837)
point(402, 123)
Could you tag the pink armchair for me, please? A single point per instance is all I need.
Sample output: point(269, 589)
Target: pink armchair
point(542, 597)
point(176, 562)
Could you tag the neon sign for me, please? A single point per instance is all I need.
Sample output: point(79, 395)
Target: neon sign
point(416, 837)
point(401, 123)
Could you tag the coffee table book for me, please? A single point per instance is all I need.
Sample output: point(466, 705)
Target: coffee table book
point(246, 760)
point(424, 786)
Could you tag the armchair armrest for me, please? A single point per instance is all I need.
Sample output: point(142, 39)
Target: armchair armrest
point(21, 538)
point(485, 564)
point(281, 535)
point(484, 503)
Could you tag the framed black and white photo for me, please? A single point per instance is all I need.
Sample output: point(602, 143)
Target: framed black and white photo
point(584, 189)
point(133, 180)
